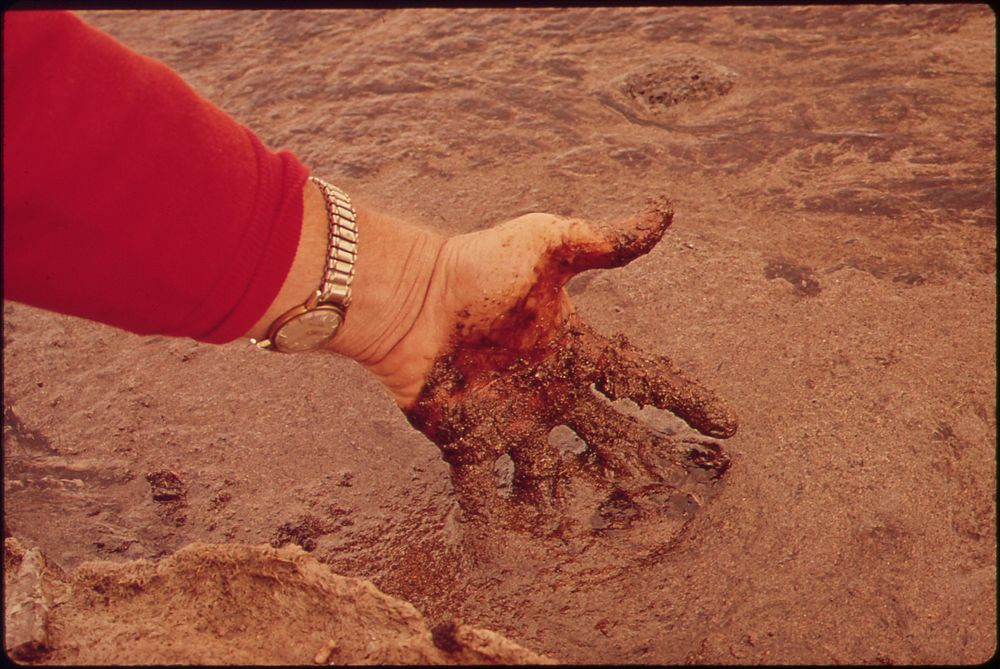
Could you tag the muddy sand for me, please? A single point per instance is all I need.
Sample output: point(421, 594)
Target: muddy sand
point(831, 272)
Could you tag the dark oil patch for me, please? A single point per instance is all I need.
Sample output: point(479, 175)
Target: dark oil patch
point(16, 432)
point(672, 81)
point(444, 636)
point(910, 279)
point(302, 532)
point(166, 486)
point(169, 490)
point(618, 511)
point(645, 96)
point(853, 201)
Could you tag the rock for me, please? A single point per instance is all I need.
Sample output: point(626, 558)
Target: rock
point(234, 604)
point(27, 603)
point(324, 653)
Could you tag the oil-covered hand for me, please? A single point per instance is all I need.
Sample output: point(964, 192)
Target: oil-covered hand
point(497, 357)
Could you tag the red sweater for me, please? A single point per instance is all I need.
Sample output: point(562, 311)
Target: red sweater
point(128, 198)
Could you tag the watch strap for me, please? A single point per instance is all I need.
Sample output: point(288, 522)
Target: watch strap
point(342, 253)
point(342, 248)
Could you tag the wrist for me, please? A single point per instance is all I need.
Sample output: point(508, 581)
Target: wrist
point(392, 274)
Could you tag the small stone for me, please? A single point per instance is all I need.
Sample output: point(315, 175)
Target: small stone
point(325, 651)
point(26, 611)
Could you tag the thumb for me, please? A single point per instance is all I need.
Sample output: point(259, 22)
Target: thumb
point(583, 245)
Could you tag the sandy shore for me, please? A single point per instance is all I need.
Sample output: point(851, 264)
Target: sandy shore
point(831, 272)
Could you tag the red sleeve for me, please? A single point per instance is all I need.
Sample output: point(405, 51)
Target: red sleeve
point(129, 199)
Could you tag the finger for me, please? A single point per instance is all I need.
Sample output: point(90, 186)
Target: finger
point(472, 458)
point(619, 444)
point(624, 372)
point(536, 468)
point(614, 436)
point(583, 351)
point(475, 485)
point(619, 370)
point(583, 245)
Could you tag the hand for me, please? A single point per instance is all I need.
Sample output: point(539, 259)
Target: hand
point(496, 357)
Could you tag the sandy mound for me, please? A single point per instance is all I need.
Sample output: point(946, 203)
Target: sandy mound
point(224, 604)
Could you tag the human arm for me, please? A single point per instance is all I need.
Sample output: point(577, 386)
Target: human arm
point(131, 200)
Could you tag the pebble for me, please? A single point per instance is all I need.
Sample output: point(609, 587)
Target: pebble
point(325, 651)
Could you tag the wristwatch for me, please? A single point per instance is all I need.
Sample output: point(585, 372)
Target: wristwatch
point(313, 323)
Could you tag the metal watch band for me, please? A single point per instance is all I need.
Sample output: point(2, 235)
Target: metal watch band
point(342, 249)
point(342, 252)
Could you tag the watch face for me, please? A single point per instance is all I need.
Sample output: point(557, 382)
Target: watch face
point(308, 331)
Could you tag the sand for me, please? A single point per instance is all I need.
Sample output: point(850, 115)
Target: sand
point(830, 272)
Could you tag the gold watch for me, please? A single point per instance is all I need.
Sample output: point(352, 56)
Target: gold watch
point(312, 324)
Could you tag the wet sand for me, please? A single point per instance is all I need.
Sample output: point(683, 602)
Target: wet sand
point(830, 272)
